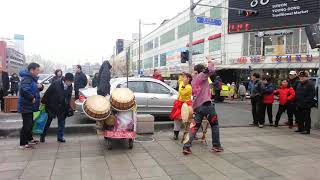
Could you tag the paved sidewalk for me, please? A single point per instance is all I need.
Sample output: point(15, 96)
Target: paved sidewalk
point(250, 153)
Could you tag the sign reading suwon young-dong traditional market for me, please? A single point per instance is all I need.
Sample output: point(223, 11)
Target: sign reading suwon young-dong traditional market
point(272, 14)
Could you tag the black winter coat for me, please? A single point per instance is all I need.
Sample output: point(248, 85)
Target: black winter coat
point(104, 79)
point(305, 94)
point(80, 81)
point(14, 83)
point(57, 100)
point(257, 91)
point(5, 82)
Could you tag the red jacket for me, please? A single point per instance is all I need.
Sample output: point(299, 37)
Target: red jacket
point(268, 98)
point(285, 95)
point(158, 77)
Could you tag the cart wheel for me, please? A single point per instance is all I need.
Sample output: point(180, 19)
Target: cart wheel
point(130, 143)
point(109, 143)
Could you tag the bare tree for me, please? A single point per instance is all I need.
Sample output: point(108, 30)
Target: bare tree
point(47, 66)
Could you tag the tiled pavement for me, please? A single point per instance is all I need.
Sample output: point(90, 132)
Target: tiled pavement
point(250, 153)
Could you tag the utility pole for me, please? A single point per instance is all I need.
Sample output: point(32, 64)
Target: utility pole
point(139, 50)
point(191, 16)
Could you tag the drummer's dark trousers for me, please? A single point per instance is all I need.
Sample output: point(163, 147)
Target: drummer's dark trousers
point(206, 110)
point(61, 127)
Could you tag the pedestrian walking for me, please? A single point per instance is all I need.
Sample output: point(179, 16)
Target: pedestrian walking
point(95, 80)
point(233, 90)
point(305, 94)
point(203, 107)
point(4, 87)
point(57, 75)
point(268, 98)
point(57, 101)
point(29, 101)
point(14, 81)
point(80, 81)
point(242, 91)
point(217, 84)
point(184, 96)
point(157, 75)
point(256, 96)
point(293, 81)
point(104, 79)
point(286, 94)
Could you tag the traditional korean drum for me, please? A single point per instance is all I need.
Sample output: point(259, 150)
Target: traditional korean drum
point(122, 99)
point(97, 107)
point(186, 113)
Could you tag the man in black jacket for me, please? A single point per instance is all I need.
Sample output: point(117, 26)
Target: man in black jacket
point(257, 101)
point(4, 87)
point(104, 77)
point(57, 100)
point(292, 106)
point(305, 94)
point(80, 81)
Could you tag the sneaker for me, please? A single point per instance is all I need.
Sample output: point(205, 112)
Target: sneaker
point(271, 124)
point(26, 147)
point(33, 142)
point(253, 124)
point(61, 140)
point(217, 149)
point(298, 131)
point(187, 151)
point(261, 126)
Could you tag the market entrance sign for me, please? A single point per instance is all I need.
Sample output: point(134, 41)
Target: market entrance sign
point(272, 14)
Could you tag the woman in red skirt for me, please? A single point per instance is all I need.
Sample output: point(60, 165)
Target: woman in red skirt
point(184, 96)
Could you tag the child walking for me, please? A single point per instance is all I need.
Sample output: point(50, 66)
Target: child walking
point(184, 96)
point(286, 94)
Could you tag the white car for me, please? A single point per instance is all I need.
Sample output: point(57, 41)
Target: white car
point(152, 96)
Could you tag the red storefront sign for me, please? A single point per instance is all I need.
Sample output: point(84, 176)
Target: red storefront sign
point(3, 55)
point(215, 36)
point(196, 42)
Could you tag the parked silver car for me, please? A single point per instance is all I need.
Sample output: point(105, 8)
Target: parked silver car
point(152, 96)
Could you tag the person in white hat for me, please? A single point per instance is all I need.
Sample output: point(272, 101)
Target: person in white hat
point(292, 107)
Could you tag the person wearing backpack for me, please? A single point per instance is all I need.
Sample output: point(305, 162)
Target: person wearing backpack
point(286, 94)
point(305, 101)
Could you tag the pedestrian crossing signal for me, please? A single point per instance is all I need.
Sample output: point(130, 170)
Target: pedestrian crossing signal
point(248, 13)
point(184, 56)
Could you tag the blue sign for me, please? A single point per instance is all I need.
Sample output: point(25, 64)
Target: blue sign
point(210, 21)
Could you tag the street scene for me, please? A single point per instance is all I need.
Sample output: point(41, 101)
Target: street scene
point(157, 90)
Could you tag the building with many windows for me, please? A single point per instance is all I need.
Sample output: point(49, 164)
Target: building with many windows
point(273, 52)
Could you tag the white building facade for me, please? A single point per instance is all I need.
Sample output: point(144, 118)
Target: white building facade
point(268, 52)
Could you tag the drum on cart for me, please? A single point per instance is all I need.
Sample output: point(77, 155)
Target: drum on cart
point(97, 107)
point(122, 99)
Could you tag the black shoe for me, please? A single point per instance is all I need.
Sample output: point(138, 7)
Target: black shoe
point(61, 140)
point(276, 124)
point(253, 124)
point(42, 139)
point(176, 135)
point(305, 132)
point(298, 131)
point(271, 124)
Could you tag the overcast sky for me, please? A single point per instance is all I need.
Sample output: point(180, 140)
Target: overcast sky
point(76, 31)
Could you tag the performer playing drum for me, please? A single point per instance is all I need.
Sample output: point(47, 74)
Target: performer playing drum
point(185, 96)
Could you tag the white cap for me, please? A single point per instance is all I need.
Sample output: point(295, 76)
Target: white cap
point(293, 73)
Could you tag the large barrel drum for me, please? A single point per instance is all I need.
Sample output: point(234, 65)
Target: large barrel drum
point(122, 99)
point(97, 107)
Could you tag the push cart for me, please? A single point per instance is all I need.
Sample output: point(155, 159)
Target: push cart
point(124, 128)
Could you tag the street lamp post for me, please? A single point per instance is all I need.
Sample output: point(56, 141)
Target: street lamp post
point(139, 48)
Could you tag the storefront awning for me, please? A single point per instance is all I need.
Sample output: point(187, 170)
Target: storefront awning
point(282, 66)
point(295, 66)
point(309, 65)
point(269, 66)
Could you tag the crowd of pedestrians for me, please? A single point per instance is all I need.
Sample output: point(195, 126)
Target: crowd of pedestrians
point(296, 96)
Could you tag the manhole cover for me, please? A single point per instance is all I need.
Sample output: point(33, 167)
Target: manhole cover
point(144, 139)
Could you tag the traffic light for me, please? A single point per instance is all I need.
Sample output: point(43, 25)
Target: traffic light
point(184, 56)
point(248, 13)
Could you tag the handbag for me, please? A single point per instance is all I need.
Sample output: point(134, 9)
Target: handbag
point(39, 120)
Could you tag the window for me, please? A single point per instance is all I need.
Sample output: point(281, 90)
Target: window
point(183, 29)
point(148, 63)
point(251, 43)
point(134, 65)
point(304, 41)
point(198, 49)
point(167, 37)
point(292, 42)
point(215, 45)
point(135, 86)
point(274, 45)
point(156, 42)
point(135, 52)
point(156, 61)
point(157, 88)
point(216, 12)
point(148, 46)
point(163, 59)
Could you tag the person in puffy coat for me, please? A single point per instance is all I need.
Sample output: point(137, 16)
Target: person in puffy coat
point(286, 94)
point(104, 77)
point(268, 98)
